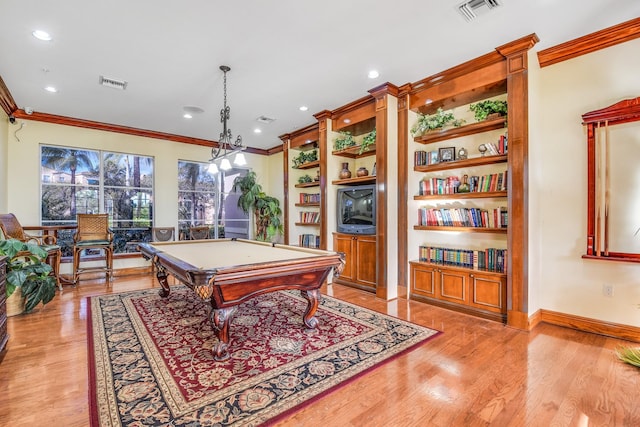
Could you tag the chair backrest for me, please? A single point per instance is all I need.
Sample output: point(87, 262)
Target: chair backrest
point(93, 227)
point(199, 232)
point(11, 227)
point(162, 234)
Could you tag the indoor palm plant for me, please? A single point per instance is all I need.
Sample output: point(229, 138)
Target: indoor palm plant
point(28, 272)
point(266, 208)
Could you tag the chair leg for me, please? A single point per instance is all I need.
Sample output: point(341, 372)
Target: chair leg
point(76, 264)
point(54, 261)
point(109, 256)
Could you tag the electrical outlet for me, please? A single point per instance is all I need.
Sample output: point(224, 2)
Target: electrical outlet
point(607, 290)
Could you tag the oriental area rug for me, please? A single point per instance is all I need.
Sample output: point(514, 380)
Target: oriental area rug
point(150, 359)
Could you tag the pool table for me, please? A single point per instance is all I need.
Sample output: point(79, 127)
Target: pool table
point(227, 272)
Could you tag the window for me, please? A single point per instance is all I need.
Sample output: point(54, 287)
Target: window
point(206, 199)
point(87, 181)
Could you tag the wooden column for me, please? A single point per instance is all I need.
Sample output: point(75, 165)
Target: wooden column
point(403, 184)
point(323, 143)
point(381, 94)
point(516, 54)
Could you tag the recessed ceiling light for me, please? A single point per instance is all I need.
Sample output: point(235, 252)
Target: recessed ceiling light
point(347, 120)
point(187, 116)
point(304, 108)
point(428, 101)
point(257, 130)
point(41, 35)
point(51, 89)
point(373, 74)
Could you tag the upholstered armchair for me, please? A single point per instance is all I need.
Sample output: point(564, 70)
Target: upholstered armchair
point(93, 232)
point(12, 229)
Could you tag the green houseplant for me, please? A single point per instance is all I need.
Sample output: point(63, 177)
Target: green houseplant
point(484, 109)
point(266, 209)
point(27, 270)
point(345, 140)
point(438, 120)
point(368, 140)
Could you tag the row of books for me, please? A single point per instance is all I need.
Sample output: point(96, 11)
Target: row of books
point(309, 241)
point(490, 259)
point(501, 147)
point(309, 197)
point(310, 217)
point(463, 217)
point(468, 184)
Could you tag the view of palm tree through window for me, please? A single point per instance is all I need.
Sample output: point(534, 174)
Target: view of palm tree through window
point(86, 181)
point(208, 199)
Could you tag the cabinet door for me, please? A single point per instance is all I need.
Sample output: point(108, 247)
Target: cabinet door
point(488, 292)
point(423, 280)
point(344, 243)
point(365, 263)
point(454, 286)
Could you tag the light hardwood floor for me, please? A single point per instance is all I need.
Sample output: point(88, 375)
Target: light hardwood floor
point(476, 373)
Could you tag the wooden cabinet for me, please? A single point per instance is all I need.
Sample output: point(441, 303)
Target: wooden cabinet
point(360, 260)
point(479, 293)
point(4, 337)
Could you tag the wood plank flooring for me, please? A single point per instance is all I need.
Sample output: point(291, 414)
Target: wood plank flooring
point(476, 373)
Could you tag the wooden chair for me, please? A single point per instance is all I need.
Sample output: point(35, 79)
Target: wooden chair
point(93, 232)
point(12, 229)
point(199, 232)
point(162, 234)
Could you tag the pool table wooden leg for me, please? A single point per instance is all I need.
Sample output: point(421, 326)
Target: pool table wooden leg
point(313, 298)
point(162, 276)
point(220, 319)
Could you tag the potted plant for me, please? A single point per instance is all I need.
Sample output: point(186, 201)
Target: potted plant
point(483, 109)
point(439, 120)
point(368, 140)
point(345, 140)
point(28, 272)
point(266, 209)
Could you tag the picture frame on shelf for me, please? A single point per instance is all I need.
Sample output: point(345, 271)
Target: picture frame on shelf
point(447, 154)
point(434, 157)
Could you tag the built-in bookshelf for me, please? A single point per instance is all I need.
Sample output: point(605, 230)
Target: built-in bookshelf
point(303, 199)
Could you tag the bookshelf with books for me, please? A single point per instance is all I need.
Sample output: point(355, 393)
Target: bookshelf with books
point(466, 185)
point(304, 190)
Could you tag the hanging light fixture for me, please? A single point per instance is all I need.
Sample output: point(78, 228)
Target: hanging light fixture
point(226, 146)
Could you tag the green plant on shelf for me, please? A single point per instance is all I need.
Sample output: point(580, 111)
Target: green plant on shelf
point(305, 157)
point(368, 140)
point(428, 122)
point(345, 140)
point(484, 109)
point(304, 179)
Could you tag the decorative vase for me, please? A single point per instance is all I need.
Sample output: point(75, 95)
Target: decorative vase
point(345, 172)
point(362, 171)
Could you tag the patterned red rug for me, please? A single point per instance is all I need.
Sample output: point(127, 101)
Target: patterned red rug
point(150, 361)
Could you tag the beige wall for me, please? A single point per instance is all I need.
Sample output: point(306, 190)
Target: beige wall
point(560, 279)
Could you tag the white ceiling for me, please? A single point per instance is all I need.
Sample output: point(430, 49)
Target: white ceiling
point(282, 54)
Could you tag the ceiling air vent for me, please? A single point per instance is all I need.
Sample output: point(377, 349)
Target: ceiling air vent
point(472, 8)
point(265, 119)
point(112, 83)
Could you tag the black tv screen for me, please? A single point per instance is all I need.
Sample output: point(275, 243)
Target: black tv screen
point(356, 209)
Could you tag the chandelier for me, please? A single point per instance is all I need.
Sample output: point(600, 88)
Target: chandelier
point(226, 146)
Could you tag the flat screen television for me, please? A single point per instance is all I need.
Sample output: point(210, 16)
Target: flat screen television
point(356, 209)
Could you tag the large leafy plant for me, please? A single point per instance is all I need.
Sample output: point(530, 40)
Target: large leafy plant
point(27, 270)
point(266, 209)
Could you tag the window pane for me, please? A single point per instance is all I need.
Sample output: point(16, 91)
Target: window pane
point(60, 165)
point(127, 170)
point(195, 177)
point(128, 207)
